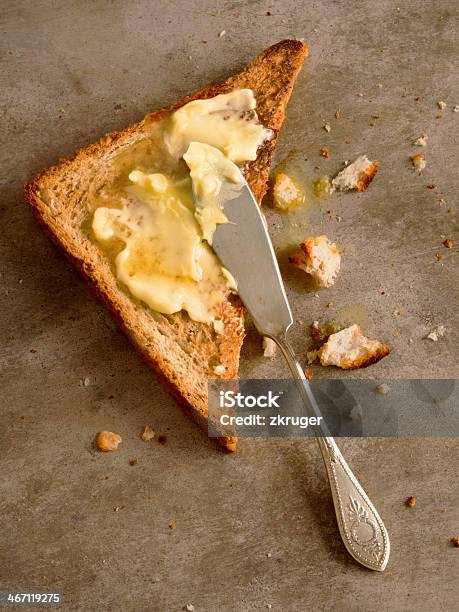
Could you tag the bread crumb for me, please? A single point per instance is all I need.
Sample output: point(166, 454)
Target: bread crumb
point(448, 243)
point(173, 525)
point(320, 258)
point(86, 381)
point(325, 152)
point(337, 114)
point(219, 327)
point(222, 33)
point(268, 555)
point(456, 109)
point(286, 193)
point(322, 187)
point(133, 461)
point(357, 175)
point(311, 356)
point(411, 501)
point(327, 127)
point(189, 608)
point(419, 162)
point(220, 369)
point(439, 257)
point(436, 333)
point(107, 441)
point(320, 332)
point(350, 349)
point(147, 434)
point(117, 508)
point(308, 373)
point(455, 542)
point(421, 141)
point(432, 186)
point(383, 389)
point(269, 347)
point(441, 105)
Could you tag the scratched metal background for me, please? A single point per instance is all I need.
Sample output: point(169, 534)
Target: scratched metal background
point(72, 71)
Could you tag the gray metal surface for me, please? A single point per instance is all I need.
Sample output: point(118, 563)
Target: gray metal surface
point(70, 73)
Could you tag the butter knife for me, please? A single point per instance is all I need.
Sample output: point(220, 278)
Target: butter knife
point(245, 249)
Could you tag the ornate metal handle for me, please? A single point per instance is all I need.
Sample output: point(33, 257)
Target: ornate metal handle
point(360, 526)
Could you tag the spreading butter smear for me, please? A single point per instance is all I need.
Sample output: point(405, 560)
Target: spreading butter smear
point(216, 180)
point(228, 122)
point(164, 262)
point(165, 259)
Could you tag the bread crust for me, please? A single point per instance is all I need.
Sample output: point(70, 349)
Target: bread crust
point(362, 362)
point(181, 351)
point(367, 177)
point(371, 351)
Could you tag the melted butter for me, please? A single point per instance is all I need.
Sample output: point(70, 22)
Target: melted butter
point(302, 219)
point(167, 274)
point(322, 187)
point(144, 216)
point(353, 313)
point(228, 122)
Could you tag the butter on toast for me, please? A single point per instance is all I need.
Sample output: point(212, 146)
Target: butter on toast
point(184, 353)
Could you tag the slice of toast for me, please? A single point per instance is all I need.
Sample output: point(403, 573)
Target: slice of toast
point(184, 353)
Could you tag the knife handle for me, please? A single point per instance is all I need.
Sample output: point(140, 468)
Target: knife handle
point(361, 528)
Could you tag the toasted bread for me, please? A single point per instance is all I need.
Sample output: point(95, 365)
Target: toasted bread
point(357, 175)
point(320, 258)
point(185, 354)
point(349, 349)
